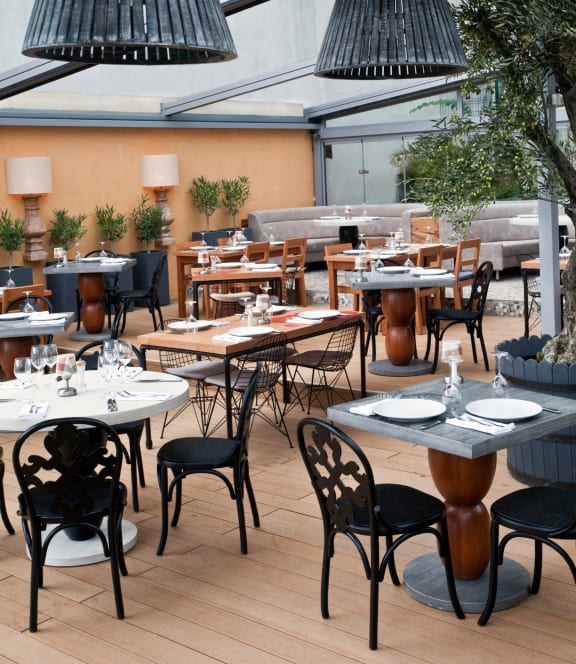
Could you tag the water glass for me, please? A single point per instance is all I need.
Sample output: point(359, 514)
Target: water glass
point(50, 355)
point(22, 370)
point(124, 354)
point(38, 360)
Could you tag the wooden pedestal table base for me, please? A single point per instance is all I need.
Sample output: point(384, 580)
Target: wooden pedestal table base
point(463, 483)
point(91, 288)
point(398, 307)
point(11, 349)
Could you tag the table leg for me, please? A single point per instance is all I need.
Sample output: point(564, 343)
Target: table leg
point(91, 288)
point(332, 286)
point(526, 312)
point(10, 348)
point(181, 277)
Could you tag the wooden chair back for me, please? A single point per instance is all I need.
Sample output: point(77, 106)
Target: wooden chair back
point(293, 266)
point(341, 287)
point(9, 294)
point(258, 252)
point(429, 256)
point(465, 267)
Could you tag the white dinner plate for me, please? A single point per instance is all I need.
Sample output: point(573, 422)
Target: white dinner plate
point(431, 271)
point(254, 331)
point(230, 247)
point(354, 252)
point(409, 410)
point(263, 266)
point(14, 315)
point(276, 308)
point(331, 217)
point(276, 243)
point(319, 314)
point(91, 259)
point(504, 410)
point(185, 325)
point(45, 315)
point(201, 248)
point(228, 266)
point(393, 269)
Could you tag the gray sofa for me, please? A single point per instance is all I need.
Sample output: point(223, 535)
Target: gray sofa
point(307, 222)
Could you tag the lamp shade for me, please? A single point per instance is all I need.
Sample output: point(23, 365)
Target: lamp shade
point(129, 32)
point(159, 170)
point(29, 175)
point(379, 39)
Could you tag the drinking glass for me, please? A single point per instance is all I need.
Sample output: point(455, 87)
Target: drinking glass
point(565, 251)
point(10, 283)
point(51, 355)
point(106, 367)
point(191, 319)
point(28, 307)
point(110, 351)
point(22, 370)
point(203, 243)
point(244, 260)
point(361, 246)
point(102, 253)
point(230, 238)
point(124, 354)
point(499, 383)
point(38, 360)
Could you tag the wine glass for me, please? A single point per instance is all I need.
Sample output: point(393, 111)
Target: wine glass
point(37, 359)
point(230, 238)
point(102, 253)
point(124, 355)
point(51, 356)
point(565, 251)
point(244, 259)
point(191, 319)
point(361, 246)
point(203, 243)
point(10, 283)
point(105, 367)
point(245, 300)
point(499, 383)
point(28, 307)
point(22, 370)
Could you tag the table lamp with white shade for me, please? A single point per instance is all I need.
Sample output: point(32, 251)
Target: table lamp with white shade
point(160, 172)
point(30, 177)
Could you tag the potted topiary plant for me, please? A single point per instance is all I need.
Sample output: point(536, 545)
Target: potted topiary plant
point(235, 194)
point(111, 224)
point(12, 237)
point(205, 196)
point(147, 221)
point(67, 229)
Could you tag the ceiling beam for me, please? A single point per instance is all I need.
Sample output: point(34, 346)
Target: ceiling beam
point(35, 73)
point(234, 6)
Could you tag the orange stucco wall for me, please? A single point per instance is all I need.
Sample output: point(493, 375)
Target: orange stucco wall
point(98, 166)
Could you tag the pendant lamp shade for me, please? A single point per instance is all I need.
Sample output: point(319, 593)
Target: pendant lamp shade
point(129, 32)
point(379, 39)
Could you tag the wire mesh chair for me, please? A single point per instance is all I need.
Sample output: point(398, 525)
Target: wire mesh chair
point(187, 366)
point(327, 365)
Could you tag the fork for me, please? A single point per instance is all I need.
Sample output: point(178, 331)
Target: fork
point(481, 420)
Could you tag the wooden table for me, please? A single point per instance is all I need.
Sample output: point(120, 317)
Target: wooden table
point(462, 463)
point(18, 336)
point(186, 258)
point(90, 401)
point(398, 306)
point(91, 286)
point(202, 343)
point(526, 267)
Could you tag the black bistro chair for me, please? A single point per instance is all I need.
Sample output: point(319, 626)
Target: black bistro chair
point(438, 321)
point(150, 296)
point(352, 504)
point(209, 456)
point(542, 514)
point(70, 482)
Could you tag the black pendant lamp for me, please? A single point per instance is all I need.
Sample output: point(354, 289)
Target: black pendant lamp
point(378, 39)
point(129, 32)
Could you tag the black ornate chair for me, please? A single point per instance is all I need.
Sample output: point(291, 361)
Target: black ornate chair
point(148, 295)
point(133, 430)
point(352, 504)
point(210, 455)
point(438, 321)
point(542, 514)
point(327, 365)
point(71, 482)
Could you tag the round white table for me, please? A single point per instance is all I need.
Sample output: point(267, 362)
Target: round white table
point(91, 401)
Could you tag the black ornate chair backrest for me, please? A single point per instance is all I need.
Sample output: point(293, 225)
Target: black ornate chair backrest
point(479, 289)
point(341, 475)
point(157, 275)
point(90, 352)
point(74, 477)
point(246, 411)
point(39, 302)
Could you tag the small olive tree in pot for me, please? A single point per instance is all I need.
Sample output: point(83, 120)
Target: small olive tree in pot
point(12, 237)
point(205, 196)
point(67, 229)
point(147, 221)
point(111, 224)
point(235, 194)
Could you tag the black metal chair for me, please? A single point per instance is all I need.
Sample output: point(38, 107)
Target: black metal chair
point(150, 296)
point(542, 514)
point(133, 430)
point(71, 482)
point(205, 455)
point(188, 366)
point(111, 281)
point(438, 321)
point(327, 365)
point(352, 504)
point(269, 354)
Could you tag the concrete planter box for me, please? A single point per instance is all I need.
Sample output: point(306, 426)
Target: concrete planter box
point(21, 275)
point(551, 459)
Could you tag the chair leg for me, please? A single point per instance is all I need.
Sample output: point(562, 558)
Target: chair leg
point(115, 567)
point(163, 484)
point(3, 510)
point(537, 576)
point(325, 579)
point(35, 577)
point(449, 570)
point(251, 497)
point(239, 491)
point(480, 335)
point(493, 580)
point(136, 466)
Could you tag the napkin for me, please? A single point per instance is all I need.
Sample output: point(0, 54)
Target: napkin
point(230, 338)
point(298, 320)
point(125, 395)
point(47, 321)
point(33, 410)
point(364, 409)
point(487, 427)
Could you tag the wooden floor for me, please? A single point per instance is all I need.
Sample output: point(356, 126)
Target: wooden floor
point(202, 601)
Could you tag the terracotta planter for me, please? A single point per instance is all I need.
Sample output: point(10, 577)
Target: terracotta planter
point(551, 459)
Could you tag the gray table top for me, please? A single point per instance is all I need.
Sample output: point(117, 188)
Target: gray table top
point(382, 281)
point(22, 327)
point(455, 440)
point(87, 267)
